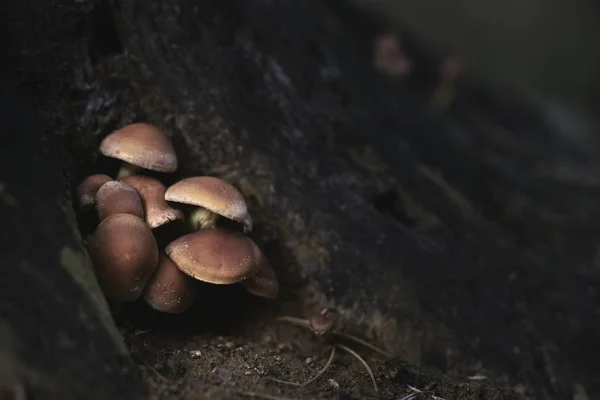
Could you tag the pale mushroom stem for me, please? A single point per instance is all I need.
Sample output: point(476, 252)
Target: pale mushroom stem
point(127, 169)
point(201, 218)
point(362, 361)
point(314, 378)
point(247, 225)
point(443, 95)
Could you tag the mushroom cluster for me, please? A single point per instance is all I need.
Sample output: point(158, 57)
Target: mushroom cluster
point(130, 262)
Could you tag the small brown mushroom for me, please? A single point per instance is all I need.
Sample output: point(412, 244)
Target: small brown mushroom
point(264, 283)
point(140, 145)
point(215, 256)
point(158, 212)
point(322, 323)
point(389, 56)
point(169, 290)
point(116, 197)
point(87, 189)
point(124, 254)
point(213, 196)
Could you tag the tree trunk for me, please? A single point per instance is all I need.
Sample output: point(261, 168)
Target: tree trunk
point(57, 337)
point(462, 240)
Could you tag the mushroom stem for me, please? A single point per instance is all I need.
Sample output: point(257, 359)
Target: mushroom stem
point(362, 361)
point(314, 378)
point(127, 169)
point(304, 323)
point(443, 95)
point(202, 218)
point(451, 71)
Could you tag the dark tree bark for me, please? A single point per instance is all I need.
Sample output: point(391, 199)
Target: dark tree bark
point(462, 241)
point(57, 337)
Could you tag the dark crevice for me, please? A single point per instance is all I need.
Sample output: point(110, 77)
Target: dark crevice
point(105, 40)
point(389, 203)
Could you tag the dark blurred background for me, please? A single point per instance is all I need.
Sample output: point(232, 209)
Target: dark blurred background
point(547, 49)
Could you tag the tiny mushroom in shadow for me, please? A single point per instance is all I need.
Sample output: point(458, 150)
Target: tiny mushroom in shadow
point(158, 212)
point(116, 197)
point(140, 145)
point(87, 189)
point(264, 283)
point(125, 255)
point(322, 323)
point(216, 256)
point(213, 197)
point(170, 290)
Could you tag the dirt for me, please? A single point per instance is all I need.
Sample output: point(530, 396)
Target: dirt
point(240, 359)
point(195, 364)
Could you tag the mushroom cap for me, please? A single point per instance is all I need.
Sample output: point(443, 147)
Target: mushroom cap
point(214, 194)
point(264, 283)
point(87, 189)
point(143, 145)
point(116, 197)
point(152, 191)
point(322, 323)
point(215, 256)
point(124, 254)
point(170, 290)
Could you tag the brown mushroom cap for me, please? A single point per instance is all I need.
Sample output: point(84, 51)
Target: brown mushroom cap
point(214, 194)
point(215, 256)
point(322, 323)
point(124, 254)
point(158, 212)
point(116, 197)
point(87, 189)
point(264, 283)
point(169, 289)
point(143, 145)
